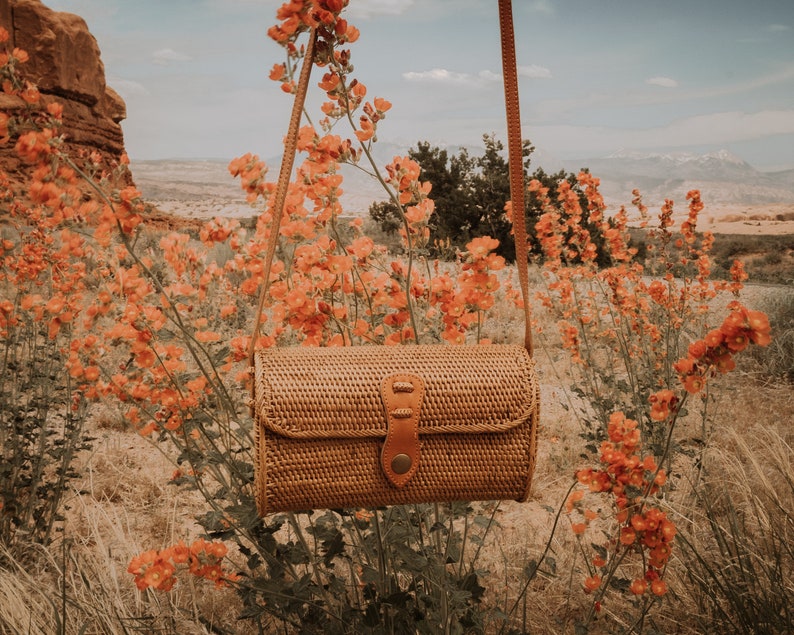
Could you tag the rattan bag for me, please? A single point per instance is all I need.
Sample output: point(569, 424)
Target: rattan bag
point(368, 426)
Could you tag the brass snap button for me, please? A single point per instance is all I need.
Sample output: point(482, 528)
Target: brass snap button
point(401, 463)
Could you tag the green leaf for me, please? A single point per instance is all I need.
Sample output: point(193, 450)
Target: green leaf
point(600, 550)
point(333, 548)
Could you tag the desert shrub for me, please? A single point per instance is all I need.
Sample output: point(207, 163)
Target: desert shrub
point(642, 353)
point(42, 428)
point(469, 194)
point(767, 259)
point(42, 408)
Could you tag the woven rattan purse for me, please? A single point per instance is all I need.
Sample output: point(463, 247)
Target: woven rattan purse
point(368, 426)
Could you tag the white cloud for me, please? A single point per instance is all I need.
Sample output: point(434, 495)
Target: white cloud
point(489, 76)
point(164, 57)
point(779, 28)
point(728, 126)
point(553, 109)
point(664, 82)
point(438, 75)
point(542, 6)
point(442, 75)
point(719, 129)
point(127, 88)
point(534, 71)
point(364, 9)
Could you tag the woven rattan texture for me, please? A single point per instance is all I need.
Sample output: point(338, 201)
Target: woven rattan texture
point(321, 424)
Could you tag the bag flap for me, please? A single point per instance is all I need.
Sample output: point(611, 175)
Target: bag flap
point(316, 393)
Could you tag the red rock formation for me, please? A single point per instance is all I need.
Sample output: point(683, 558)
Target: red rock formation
point(65, 63)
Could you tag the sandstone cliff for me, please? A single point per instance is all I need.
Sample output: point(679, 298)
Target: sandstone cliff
point(65, 63)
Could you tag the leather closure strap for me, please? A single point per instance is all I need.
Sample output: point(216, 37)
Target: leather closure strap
point(402, 399)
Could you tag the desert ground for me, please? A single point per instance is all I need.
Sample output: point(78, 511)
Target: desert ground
point(204, 189)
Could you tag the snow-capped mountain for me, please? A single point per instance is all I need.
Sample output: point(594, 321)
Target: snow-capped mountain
point(681, 158)
point(722, 177)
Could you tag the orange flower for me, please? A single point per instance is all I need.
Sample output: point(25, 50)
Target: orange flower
point(206, 337)
point(55, 109)
point(179, 553)
point(592, 583)
point(159, 575)
point(660, 554)
point(573, 499)
point(659, 587)
point(366, 131)
point(482, 246)
point(697, 349)
point(381, 105)
point(758, 323)
point(662, 403)
point(639, 523)
point(693, 384)
point(357, 89)
point(228, 310)
point(724, 363)
point(685, 366)
point(638, 586)
point(627, 536)
point(714, 338)
point(20, 55)
point(213, 573)
point(145, 358)
point(736, 341)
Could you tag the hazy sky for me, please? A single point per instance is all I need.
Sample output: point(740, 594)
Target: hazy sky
point(597, 77)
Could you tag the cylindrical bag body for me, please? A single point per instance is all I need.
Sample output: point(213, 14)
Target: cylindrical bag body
point(332, 433)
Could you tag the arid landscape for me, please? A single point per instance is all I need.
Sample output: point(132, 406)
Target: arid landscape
point(204, 189)
point(663, 488)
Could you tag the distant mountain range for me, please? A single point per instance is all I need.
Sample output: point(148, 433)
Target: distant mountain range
point(722, 178)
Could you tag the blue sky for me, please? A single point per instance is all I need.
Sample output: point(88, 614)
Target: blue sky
point(596, 77)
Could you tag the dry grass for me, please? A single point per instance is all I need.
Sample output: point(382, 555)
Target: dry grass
point(124, 506)
point(736, 563)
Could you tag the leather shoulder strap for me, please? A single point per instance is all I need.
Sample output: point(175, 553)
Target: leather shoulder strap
point(284, 174)
point(516, 160)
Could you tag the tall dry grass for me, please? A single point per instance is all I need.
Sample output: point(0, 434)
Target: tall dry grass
point(80, 584)
point(732, 572)
point(737, 533)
